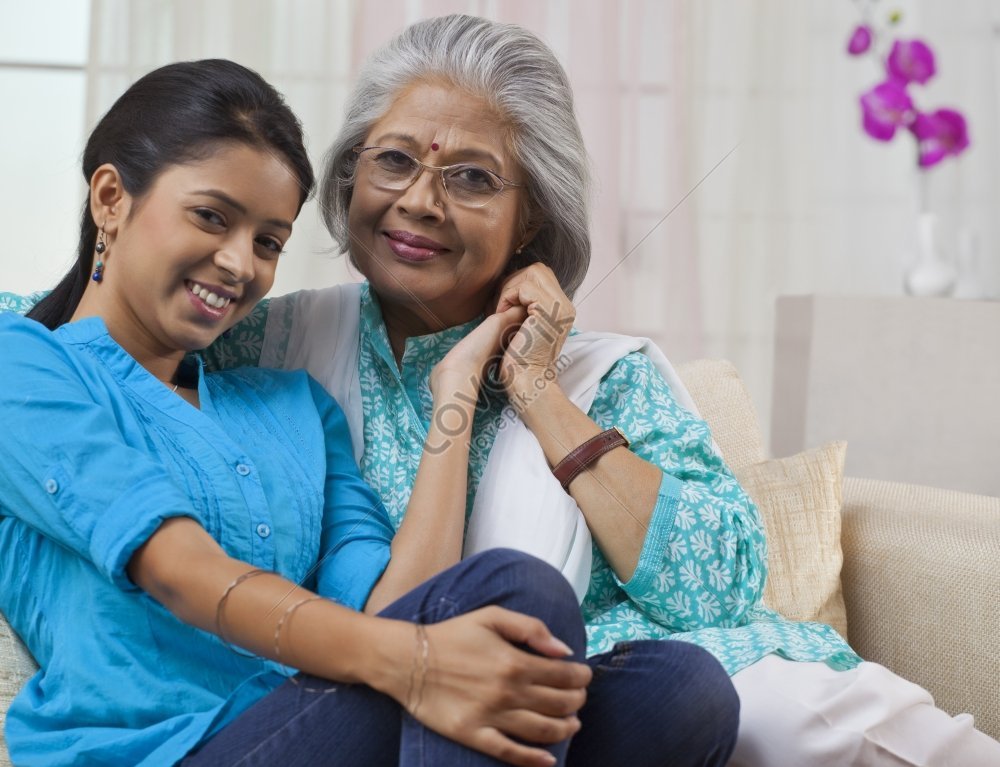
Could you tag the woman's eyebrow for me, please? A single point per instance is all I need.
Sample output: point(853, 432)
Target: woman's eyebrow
point(233, 203)
point(466, 153)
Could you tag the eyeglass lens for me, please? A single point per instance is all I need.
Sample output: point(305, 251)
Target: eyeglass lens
point(465, 183)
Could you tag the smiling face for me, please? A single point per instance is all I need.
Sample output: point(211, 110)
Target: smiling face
point(432, 262)
point(195, 253)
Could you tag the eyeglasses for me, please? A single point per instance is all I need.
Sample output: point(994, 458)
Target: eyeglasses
point(465, 184)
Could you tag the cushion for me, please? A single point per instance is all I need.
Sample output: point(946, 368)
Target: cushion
point(16, 667)
point(725, 404)
point(799, 500)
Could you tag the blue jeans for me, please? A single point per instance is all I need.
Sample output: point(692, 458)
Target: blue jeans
point(656, 703)
point(359, 726)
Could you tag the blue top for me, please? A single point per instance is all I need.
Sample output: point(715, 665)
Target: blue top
point(96, 454)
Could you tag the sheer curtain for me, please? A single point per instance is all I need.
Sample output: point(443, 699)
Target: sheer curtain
point(725, 139)
point(304, 47)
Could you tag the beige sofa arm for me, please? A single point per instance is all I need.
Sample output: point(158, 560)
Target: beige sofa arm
point(921, 582)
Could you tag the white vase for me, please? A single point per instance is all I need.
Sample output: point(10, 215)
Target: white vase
point(932, 274)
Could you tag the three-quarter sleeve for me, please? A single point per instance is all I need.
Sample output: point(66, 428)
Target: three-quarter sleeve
point(241, 345)
point(703, 561)
point(66, 468)
point(356, 532)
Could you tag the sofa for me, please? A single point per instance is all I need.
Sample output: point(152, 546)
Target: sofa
point(908, 573)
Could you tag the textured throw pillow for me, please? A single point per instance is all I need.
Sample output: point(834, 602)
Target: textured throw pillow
point(799, 500)
point(16, 667)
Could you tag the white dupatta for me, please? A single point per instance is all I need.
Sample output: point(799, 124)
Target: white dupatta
point(518, 504)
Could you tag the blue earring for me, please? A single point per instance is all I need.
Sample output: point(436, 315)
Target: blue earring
point(101, 246)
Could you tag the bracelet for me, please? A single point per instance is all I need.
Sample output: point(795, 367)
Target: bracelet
point(421, 654)
point(222, 603)
point(567, 469)
point(286, 618)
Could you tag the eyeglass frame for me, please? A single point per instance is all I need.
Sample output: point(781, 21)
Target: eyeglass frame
point(358, 150)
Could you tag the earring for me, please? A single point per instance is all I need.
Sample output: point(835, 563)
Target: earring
point(101, 246)
point(518, 251)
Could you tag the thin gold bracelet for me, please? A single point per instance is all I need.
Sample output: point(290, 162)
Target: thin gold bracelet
point(418, 671)
point(286, 618)
point(222, 603)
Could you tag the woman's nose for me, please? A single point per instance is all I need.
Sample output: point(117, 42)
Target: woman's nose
point(236, 258)
point(425, 196)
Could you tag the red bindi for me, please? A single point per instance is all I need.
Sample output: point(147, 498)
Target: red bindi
point(434, 146)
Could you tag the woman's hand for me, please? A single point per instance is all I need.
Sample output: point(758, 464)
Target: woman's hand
point(466, 364)
point(484, 692)
point(531, 354)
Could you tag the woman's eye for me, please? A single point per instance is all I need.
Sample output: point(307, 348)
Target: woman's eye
point(272, 246)
point(209, 216)
point(393, 159)
point(475, 179)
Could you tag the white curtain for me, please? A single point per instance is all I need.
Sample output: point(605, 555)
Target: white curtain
point(725, 138)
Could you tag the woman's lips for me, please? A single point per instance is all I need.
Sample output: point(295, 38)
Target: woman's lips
point(413, 247)
point(211, 301)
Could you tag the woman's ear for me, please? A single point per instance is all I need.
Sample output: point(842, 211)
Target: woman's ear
point(108, 198)
point(531, 221)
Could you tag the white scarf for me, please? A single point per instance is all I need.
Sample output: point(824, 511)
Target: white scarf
point(519, 503)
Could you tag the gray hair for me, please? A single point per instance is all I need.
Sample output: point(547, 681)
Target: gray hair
point(519, 76)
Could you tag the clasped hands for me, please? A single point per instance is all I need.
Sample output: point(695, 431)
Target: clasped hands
point(518, 344)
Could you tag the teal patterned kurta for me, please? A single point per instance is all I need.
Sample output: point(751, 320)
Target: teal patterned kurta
point(703, 586)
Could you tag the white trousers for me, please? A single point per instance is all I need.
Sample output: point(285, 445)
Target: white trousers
point(808, 715)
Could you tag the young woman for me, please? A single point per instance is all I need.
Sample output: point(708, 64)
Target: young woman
point(155, 519)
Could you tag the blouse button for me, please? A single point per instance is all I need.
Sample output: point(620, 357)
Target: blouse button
point(242, 469)
point(263, 530)
point(51, 486)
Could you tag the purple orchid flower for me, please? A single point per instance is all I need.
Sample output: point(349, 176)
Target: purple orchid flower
point(939, 134)
point(910, 61)
point(861, 40)
point(884, 108)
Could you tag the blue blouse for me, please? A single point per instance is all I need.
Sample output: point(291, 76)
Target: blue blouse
point(96, 454)
point(703, 587)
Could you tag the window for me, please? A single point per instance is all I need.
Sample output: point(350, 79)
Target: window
point(43, 52)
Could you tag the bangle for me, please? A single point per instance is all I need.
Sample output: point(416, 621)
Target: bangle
point(222, 603)
point(418, 672)
point(567, 469)
point(286, 618)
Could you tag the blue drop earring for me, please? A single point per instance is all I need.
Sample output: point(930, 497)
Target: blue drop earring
point(101, 246)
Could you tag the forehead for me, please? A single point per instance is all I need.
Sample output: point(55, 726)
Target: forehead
point(434, 112)
point(257, 178)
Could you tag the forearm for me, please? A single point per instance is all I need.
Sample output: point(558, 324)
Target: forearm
point(617, 493)
point(430, 538)
point(183, 568)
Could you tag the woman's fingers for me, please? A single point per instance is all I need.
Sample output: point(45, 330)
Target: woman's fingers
point(469, 358)
point(536, 288)
point(494, 743)
point(516, 695)
point(523, 629)
point(539, 339)
point(532, 727)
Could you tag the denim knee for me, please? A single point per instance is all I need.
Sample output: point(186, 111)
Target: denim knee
point(529, 585)
point(717, 704)
point(523, 571)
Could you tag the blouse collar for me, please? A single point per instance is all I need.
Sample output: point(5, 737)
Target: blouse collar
point(420, 352)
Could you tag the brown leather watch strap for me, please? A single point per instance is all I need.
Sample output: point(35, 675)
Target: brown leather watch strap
point(567, 469)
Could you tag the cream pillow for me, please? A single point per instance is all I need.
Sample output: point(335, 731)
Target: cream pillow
point(799, 500)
